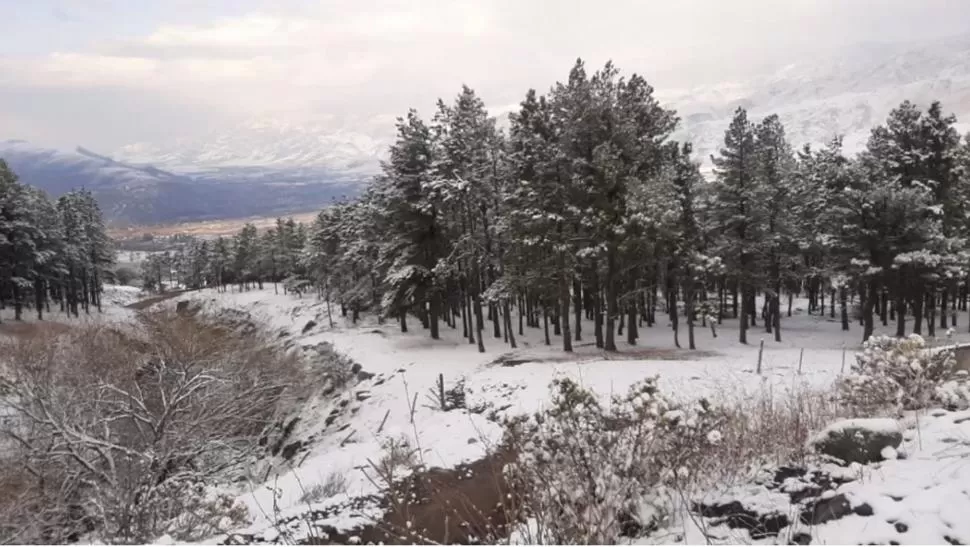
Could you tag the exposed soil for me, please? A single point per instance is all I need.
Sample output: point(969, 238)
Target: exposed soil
point(151, 301)
point(467, 505)
point(631, 354)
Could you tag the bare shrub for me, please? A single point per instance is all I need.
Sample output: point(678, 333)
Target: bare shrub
point(397, 455)
point(334, 485)
point(116, 432)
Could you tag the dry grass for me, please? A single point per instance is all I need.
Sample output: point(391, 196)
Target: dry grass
point(334, 485)
point(771, 427)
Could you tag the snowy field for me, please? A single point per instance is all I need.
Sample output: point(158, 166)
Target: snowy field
point(376, 411)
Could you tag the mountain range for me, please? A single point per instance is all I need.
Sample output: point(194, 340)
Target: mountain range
point(143, 194)
point(267, 166)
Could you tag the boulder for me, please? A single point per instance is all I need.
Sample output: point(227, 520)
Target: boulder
point(310, 324)
point(861, 440)
point(182, 306)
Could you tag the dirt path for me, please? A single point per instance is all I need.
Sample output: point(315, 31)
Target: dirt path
point(148, 302)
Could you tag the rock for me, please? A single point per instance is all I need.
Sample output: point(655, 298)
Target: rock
point(309, 325)
point(825, 510)
point(735, 515)
point(902, 528)
point(363, 395)
point(802, 538)
point(862, 441)
point(182, 306)
point(290, 450)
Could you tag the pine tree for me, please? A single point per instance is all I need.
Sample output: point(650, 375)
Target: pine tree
point(739, 210)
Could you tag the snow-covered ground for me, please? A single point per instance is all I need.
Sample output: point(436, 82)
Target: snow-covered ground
point(113, 302)
point(378, 410)
point(920, 495)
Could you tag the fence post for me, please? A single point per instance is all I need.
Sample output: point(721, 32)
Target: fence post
point(801, 354)
point(761, 350)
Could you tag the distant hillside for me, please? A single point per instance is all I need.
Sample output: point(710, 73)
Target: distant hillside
point(143, 194)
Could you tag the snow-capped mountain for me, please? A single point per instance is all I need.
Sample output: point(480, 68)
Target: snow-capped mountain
point(827, 96)
point(816, 98)
point(273, 145)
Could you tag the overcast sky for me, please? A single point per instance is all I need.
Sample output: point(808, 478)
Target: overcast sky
point(104, 73)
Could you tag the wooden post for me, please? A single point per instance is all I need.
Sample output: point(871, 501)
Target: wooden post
point(843, 359)
point(761, 350)
point(801, 354)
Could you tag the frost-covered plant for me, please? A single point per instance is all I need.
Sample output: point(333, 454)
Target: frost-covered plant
point(200, 512)
point(900, 372)
point(954, 394)
point(590, 473)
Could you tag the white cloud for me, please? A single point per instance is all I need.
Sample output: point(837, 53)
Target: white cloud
point(370, 58)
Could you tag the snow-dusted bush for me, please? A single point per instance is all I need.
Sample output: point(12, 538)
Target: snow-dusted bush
point(590, 474)
point(954, 394)
point(900, 372)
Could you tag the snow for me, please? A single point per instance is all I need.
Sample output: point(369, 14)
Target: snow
point(511, 382)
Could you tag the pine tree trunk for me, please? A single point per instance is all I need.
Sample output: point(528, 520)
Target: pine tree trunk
point(821, 296)
point(867, 309)
point(507, 307)
point(496, 329)
point(479, 316)
point(931, 312)
point(722, 302)
point(567, 339)
point(743, 330)
point(18, 304)
point(631, 330)
point(435, 310)
point(672, 307)
point(953, 307)
point(578, 302)
point(918, 297)
point(39, 298)
point(884, 307)
point(689, 313)
point(844, 305)
point(402, 315)
point(735, 289)
point(611, 300)
point(463, 310)
point(943, 301)
point(900, 309)
point(545, 325)
point(597, 308)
